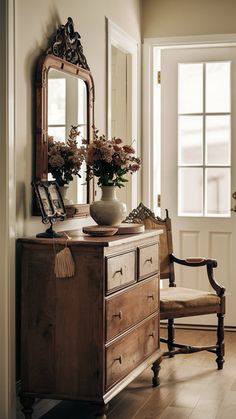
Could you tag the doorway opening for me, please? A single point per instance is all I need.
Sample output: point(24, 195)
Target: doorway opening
point(192, 154)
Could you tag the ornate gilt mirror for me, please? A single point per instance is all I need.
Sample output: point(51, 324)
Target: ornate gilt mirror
point(64, 98)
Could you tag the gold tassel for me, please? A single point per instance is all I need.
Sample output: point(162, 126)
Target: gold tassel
point(64, 264)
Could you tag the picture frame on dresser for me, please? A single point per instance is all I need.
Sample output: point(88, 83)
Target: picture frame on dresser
point(49, 200)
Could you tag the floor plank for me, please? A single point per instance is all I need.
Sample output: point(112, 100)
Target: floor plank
point(175, 412)
point(191, 387)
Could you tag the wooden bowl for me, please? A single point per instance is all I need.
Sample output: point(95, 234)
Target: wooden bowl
point(100, 231)
point(130, 228)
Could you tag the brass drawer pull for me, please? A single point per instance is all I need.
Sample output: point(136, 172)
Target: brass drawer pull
point(119, 359)
point(120, 271)
point(151, 296)
point(151, 335)
point(148, 260)
point(118, 315)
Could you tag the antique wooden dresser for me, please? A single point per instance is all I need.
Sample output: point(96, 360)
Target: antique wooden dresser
point(88, 336)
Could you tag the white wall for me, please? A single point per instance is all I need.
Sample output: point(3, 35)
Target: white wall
point(35, 22)
point(163, 18)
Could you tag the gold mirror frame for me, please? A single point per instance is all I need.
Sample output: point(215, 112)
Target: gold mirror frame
point(65, 53)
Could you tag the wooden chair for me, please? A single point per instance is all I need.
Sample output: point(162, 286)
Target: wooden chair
point(178, 302)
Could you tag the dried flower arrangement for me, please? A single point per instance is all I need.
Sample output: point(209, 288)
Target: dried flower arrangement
point(65, 158)
point(109, 160)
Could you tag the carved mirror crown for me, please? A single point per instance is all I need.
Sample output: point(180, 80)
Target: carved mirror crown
point(64, 58)
point(65, 44)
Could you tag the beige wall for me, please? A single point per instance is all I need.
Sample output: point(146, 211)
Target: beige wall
point(35, 22)
point(163, 18)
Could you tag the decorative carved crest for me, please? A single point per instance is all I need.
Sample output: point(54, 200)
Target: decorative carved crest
point(141, 213)
point(65, 44)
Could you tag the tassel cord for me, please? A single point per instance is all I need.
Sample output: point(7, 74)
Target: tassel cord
point(64, 263)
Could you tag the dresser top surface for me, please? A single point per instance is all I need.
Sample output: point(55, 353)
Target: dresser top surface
point(79, 238)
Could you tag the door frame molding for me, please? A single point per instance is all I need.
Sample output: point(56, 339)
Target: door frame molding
point(120, 39)
point(117, 37)
point(149, 44)
point(7, 212)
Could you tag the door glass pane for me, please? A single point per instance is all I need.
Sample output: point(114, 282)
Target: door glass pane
point(190, 88)
point(218, 140)
point(218, 192)
point(190, 140)
point(218, 87)
point(56, 101)
point(190, 191)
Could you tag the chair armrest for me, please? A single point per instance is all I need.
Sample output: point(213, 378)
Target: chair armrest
point(196, 262)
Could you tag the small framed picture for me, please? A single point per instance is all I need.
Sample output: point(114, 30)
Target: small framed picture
point(50, 200)
point(56, 198)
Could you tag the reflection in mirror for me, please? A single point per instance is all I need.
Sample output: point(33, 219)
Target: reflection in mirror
point(67, 106)
point(122, 99)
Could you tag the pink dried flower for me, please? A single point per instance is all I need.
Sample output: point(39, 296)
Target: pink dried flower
point(128, 149)
point(134, 167)
point(117, 140)
point(65, 158)
point(116, 148)
point(109, 161)
point(56, 161)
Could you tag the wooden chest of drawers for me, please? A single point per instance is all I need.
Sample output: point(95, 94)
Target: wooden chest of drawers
point(87, 337)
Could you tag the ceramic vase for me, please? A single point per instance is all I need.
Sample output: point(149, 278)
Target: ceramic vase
point(109, 210)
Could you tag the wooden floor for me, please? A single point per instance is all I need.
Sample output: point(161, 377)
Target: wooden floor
point(191, 387)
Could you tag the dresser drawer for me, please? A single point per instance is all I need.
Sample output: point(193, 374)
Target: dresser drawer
point(120, 270)
point(148, 260)
point(131, 306)
point(128, 352)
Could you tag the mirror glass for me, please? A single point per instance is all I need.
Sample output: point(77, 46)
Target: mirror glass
point(67, 106)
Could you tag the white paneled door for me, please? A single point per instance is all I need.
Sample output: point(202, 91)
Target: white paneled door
point(198, 162)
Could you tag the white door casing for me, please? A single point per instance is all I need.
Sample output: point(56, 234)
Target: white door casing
point(7, 214)
point(196, 236)
point(123, 42)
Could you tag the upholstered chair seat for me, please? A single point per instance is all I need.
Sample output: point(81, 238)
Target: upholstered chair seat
point(176, 299)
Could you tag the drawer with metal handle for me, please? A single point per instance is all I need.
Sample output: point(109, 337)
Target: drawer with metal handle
point(148, 260)
point(128, 307)
point(126, 353)
point(120, 270)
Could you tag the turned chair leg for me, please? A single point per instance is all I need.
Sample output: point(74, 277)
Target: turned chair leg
point(27, 403)
point(220, 351)
point(171, 335)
